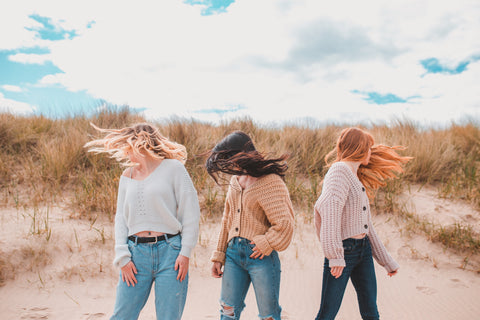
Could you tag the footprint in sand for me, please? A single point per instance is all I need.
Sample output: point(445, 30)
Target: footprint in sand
point(457, 283)
point(35, 313)
point(94, 316)
point(427, 290)
point(470, 218)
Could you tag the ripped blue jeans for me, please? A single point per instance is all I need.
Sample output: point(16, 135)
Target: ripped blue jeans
point(239, 271)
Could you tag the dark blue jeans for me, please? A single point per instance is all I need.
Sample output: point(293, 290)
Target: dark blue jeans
point(359, 267)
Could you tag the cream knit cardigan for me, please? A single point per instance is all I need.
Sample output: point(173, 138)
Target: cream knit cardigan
point(262, 212)
point(343, 211)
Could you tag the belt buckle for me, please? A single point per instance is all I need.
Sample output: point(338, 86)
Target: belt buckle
point(156, 239)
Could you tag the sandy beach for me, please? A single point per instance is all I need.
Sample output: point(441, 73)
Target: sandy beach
point(60, 268)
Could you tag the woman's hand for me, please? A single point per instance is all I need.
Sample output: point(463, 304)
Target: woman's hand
point(128, 273)
point(256, 252)
point(181, 264)
point(391, 274)
point(217, 270)
point(336, 271)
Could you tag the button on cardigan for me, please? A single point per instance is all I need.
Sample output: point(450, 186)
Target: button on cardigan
point(262, 212)
point(343, 211)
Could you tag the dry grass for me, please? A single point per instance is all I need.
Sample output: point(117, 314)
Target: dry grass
point(28, 258)
point(458, 237)
point(42, 160)
point(34, 258)
point(7, 269)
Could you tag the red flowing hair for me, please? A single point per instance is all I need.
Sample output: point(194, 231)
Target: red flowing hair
point(385, 163)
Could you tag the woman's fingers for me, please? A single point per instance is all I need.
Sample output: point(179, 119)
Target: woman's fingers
point(218, 266)
point(217, 270)
point(336, 271)
point(130, 281)
point(256, 253)
point(180, 275)
point(128, 274)
point(214, 271)
point(181, 264)
point(127, 277)
point(391, 274)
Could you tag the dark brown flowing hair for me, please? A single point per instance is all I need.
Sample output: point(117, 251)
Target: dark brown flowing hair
point(237, 155)
point(385, 163)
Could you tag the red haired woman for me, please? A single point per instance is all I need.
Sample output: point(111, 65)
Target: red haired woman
point(343, 222)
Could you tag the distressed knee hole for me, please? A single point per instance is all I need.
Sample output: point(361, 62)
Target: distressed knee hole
point(227, 310)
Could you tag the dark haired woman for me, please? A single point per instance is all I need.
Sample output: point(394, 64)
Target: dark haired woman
point(257, 222)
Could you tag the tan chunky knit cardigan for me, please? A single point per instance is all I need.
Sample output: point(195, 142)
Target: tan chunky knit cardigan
point(262, 212)
point(343, 211)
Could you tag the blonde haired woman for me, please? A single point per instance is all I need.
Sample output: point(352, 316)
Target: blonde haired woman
point(343, 221)
point(156, 223)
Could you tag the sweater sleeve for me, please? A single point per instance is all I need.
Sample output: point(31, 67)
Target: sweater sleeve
point(317, 220)
point(219, 254)
point(379, 252)
point(188, 209)
point(330, 206)
point(275, 202)
point(122, 254)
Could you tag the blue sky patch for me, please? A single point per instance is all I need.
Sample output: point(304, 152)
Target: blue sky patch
point(90, 24)
point(55, 101)
point(378, 98)
point(432, 65)
point(211, 6)
point(221, 111)
point(19, 74)
point(50, 31)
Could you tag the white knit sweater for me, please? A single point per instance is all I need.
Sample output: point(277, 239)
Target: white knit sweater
point(166, 201)
point(343, 211)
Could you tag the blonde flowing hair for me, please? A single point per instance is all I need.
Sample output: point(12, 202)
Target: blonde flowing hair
point(385, 163)
point(140, 138)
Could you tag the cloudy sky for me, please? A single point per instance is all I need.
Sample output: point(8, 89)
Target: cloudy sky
point(273, 60)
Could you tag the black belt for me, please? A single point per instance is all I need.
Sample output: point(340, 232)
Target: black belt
point(152, 239)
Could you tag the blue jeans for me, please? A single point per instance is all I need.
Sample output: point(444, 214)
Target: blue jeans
point(359, 267)
point(155, 262)
point(239, 271)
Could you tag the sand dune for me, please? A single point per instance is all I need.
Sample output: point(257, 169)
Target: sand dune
point(69, 276)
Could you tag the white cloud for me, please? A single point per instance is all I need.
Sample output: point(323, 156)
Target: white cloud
point(279, 59)
point(29, 58)
point(52, 79)
point(11, 106)
point(11, 88)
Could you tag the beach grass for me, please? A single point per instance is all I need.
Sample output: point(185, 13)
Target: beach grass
point(43, 161)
